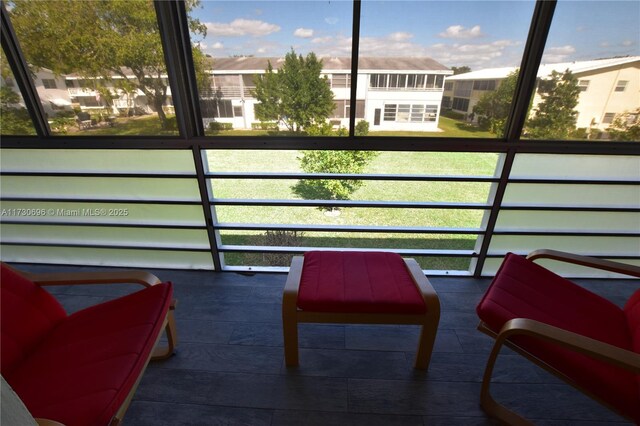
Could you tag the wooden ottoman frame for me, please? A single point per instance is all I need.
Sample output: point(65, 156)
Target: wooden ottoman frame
point(292, 315)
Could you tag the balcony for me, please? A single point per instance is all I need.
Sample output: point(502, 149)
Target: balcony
point(229, 364)
point(229, 92)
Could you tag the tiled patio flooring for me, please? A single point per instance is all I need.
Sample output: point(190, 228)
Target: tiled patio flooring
point(229, 368)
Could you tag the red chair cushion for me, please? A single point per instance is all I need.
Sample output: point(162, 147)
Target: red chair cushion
point(27, 314)
point(523, 289)
point(632, 311)
point(83, 371)
point(358, 282)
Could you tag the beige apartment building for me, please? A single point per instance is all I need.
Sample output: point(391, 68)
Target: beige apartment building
point(608, 87)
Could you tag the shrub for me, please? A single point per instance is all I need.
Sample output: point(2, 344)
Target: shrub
point(362, 128)
point(452, 114)
point(217, 126)
point(281, 238)
point(264, 125)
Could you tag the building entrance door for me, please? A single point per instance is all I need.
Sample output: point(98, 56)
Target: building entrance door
point(376, 117)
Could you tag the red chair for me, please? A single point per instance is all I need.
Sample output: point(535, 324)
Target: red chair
point(571, 332)
point(83, 368)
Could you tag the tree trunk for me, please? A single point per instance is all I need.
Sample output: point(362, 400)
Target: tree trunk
point(161, 115)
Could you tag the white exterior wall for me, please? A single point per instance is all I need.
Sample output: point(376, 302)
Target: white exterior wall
point(47, 96)
point(601, 98)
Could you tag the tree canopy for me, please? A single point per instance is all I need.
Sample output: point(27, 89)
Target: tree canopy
point(626, 126)
point(494, 106)
point(460, 70)
point(98, 39)
point(294, 95)
point(555, 116)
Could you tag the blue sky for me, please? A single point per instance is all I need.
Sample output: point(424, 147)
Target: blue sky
point(480, 34)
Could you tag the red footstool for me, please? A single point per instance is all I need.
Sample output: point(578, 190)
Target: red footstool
point(358, 288)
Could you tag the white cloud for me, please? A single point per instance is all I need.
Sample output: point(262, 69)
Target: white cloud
point(627, 43)
point(475, 55)
point(557, 54)
point(400, 36)
point(604, 44)
point(241, 27)
point(261, 50)
point(322, 40)
point(331, 20)
point(458, 31)
point(303, 32)
point(217, 45)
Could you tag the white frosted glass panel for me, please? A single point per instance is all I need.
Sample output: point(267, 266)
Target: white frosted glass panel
point(97, 160)
point(573, 195)
point(610, 167)
point(108, 257)
point(87, 213)
point(567, 221)
point(564, 269)
point(101, 188)
point(147, 237)
point(580, 245)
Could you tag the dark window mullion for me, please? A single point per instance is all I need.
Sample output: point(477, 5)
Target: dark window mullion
point(355, 45)
point(22, 75)
point(538, 31)
point(176, 42)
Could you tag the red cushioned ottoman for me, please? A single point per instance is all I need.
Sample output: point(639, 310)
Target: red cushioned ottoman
point(358, 288)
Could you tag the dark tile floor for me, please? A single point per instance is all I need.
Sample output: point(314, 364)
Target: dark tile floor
point(229, 368)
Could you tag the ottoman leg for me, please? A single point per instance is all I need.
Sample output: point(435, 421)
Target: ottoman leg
point(425, 345)
point(290, 330)
point(290, 312)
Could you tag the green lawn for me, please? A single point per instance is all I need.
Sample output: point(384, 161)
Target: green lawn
point(148, 125)
point(386, 162)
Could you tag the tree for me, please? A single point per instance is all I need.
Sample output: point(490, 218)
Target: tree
point(348, 162)
point(555, 116)
point(460, 70)
point(493, 107)
point(98, 39)
point(626, 126)
point(14, 119)
point(296, 95)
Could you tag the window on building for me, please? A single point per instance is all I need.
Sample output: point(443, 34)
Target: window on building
point(621, 85)
point(49, 83)
point(88, 101)
point(608, 117)
point(446, 102)
point(448, 85)
point(340, 81)
point(216, 108)
point(463, 89)
point(460, 104)
point(484, 85)
point(583, 85)
point(237, 111)
point(390, 112)
point(69, 84)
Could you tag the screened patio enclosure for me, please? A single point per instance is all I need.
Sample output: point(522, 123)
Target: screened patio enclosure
point(189, 197)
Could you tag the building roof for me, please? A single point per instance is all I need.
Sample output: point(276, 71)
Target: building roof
point(546, 69)
point(333, 63)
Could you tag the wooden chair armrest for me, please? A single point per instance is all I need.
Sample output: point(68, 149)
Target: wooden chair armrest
point(75, 278)
point(592, 262)
point(428, 292)
point(47, 422)
point(585, 345)
point(290, 293)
